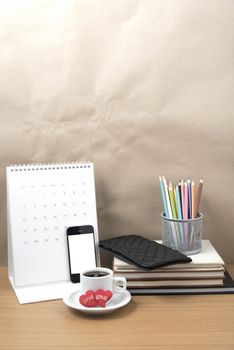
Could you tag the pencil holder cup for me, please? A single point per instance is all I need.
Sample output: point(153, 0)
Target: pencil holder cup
point(182, 235)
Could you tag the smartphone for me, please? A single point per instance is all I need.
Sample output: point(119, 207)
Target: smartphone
point(81, 250)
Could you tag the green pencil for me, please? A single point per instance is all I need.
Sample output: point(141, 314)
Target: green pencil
point(172, 200)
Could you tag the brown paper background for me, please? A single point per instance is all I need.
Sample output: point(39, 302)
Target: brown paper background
point(140, 88)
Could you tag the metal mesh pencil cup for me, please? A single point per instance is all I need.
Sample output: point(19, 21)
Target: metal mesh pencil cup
point(183, 235)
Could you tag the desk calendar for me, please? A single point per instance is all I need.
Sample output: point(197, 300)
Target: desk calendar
point(42, 201)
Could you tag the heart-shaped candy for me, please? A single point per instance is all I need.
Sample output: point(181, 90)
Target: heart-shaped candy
point(88, 299)
point(102, 297)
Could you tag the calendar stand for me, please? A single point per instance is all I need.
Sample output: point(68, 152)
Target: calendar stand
point(42, 201)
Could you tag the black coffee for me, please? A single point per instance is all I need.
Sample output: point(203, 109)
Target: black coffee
point(96, 274)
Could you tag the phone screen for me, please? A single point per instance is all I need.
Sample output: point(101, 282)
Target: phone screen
point(81, 249)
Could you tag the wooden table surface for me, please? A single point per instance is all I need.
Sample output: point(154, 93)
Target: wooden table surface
point(149, 322)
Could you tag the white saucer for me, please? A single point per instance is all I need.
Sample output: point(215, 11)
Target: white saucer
point(117, 301)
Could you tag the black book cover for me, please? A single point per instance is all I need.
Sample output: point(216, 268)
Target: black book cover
point(226, 288)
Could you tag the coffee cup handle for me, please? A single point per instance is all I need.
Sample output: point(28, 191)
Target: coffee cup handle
point(118, 289)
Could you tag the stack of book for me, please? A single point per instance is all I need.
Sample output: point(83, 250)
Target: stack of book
point(206, 273)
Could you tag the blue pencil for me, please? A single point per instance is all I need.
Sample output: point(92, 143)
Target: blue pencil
point(162, 189)
point(180, 216)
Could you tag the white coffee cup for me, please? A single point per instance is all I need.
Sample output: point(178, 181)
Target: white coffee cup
point(102, 278)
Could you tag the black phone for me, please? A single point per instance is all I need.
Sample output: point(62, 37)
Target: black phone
point(81, 250)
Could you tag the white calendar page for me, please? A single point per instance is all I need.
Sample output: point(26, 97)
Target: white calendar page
point(43, 201)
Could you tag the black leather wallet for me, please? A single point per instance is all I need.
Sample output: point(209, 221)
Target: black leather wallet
point(142, 252)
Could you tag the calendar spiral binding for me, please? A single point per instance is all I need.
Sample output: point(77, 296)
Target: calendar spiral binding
point(50, 166)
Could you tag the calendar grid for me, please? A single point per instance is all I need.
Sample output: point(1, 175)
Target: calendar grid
point(43, 200)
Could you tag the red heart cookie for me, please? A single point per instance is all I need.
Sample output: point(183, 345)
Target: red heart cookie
point(88, 299)
point(102, 296)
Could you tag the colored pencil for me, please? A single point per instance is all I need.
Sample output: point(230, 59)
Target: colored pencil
point(178, 201)
point(175, 201)
point(182, 197)
point(199, 192)
point(167, 198)
point(182, 201)
point(194, 200)
point(189, 200)
point(162, 189)
point(185, 200)
point(171, 195)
